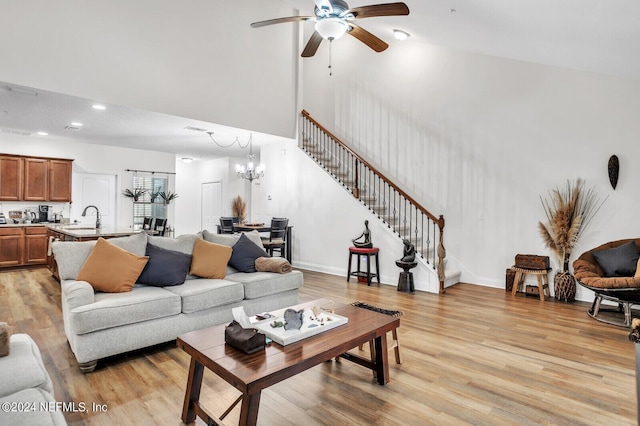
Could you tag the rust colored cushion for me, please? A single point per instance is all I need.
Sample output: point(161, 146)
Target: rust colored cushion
point(111, 269)
point(209, 260)
point(637, 274)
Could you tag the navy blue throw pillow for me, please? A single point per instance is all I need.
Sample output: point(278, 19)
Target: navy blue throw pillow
point(619, 261)
point(165, 267)
point(244, 255)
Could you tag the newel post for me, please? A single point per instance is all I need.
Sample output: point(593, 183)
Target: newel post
point(442, 253)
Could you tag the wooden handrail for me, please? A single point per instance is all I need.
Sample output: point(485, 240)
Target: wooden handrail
point(438, 220)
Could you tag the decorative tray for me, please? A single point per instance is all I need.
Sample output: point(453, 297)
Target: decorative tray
point(254, 224)
point(311, 325)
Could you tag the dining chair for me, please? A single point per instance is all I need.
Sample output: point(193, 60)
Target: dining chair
point(160, 226)
point(147, 223)
point(226, 225)
point(277, 237)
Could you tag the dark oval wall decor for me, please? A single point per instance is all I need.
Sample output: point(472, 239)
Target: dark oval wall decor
point(614, 169)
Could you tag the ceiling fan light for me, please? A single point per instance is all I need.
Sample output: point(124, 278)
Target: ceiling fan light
point(400, 35)
point(331, 28)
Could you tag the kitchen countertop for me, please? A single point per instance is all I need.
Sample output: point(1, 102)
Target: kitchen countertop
point(78, 231)
point(84, 231)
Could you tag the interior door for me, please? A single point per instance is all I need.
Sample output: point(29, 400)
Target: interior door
point(211, 205)
point(98, 190)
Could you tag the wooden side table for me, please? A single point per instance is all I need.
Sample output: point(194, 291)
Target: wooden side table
point(541, 274)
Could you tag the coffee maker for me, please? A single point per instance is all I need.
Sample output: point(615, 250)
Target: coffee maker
point(44, 211)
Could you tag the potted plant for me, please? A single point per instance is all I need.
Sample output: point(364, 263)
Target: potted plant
point(154, 194)
point(168, 196)
point(239, 209)
point(135, 194)
point(568, 211)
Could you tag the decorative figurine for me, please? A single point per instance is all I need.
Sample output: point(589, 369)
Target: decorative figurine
point(293, 319)
point(409, 253)
point(366, 234)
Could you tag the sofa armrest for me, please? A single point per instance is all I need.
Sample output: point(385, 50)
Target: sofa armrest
point(77, 293)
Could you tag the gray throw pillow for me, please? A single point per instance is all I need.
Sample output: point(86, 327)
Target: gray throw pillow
point(619, 261)
point(244, 255)
point(164, 267)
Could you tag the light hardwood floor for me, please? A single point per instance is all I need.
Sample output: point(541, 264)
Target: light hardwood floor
point(472, 356)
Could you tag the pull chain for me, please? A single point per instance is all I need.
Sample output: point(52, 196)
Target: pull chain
point(330, 70)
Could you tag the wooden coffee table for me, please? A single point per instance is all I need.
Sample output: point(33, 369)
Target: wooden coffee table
point(252, 373)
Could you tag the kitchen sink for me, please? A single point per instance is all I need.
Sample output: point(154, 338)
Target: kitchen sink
point(79, 227)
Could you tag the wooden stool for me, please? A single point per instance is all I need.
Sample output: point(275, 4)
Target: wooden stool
point(541, 274)
point(373, 251)
point(394, 333)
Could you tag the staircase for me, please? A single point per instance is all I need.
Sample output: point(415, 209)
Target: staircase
point(402, 214)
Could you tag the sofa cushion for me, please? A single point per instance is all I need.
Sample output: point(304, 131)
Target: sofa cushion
point(260, 284)
point(183, 243)
point(245, 253)
point(116, 309)
point(231, 239)
point(205, 293)
point(23, 367)
point(209, 259)
point(111, 269)
point(165, 267)
point(619, 261)
point(71, 255)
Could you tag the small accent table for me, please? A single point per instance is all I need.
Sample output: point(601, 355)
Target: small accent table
point(541, 274)
point(405, 281)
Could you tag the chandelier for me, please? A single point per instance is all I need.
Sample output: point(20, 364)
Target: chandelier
point(250, 171)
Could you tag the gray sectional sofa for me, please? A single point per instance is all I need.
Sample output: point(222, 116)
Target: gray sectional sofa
point(26, 390)
point(100, 324)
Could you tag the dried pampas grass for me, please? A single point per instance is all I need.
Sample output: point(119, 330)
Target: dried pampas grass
point(239, 208)
point(568, 211)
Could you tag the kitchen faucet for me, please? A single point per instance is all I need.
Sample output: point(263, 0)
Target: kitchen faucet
point(84, 213)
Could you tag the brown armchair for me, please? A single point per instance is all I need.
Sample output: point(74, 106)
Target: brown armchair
point(622, 290)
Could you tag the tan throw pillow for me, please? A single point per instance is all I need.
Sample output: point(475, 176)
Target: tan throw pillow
point(637, 274)
point(111, 269)
point(209, 260)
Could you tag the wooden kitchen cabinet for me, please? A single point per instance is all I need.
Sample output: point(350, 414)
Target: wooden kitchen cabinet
point(11, 178)
point(60, 180)
point(36, 179)
point(35, 245)
point(11, 246)
point(25, 178)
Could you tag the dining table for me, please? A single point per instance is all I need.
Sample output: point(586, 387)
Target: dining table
point(263, 227)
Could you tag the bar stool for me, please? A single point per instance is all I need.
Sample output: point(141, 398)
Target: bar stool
point(541, 274)
point(358, 251)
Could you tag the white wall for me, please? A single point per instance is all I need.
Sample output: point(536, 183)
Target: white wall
point(90, 158)
point(480, 139)
point(197, 59)
point(189, 180)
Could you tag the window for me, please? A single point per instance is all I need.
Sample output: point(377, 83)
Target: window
point(144, 207)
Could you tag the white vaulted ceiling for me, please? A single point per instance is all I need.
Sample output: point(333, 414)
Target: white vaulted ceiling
point(586, 35)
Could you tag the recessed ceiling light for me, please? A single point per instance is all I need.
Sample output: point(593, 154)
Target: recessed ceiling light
point(76, 124)
point(400, 35)
point(98, 106)
point(186, 159)
point(43, 133)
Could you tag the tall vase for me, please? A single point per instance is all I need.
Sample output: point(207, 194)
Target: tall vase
point(564, 286)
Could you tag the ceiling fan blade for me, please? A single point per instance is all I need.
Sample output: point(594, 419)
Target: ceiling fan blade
point(387, 9)
point(312, 45)
point(367, 38)
point(280, 20)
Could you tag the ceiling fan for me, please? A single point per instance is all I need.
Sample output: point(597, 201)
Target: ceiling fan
point(334, 18)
